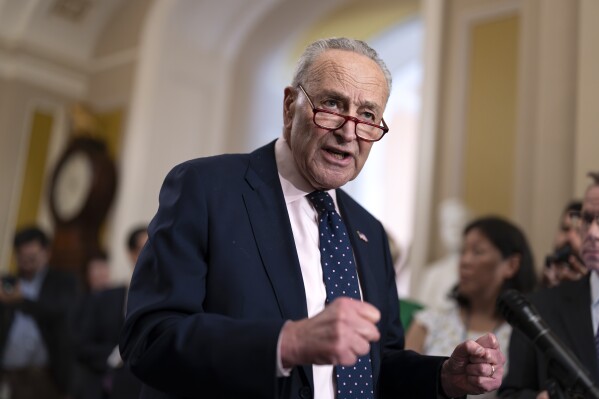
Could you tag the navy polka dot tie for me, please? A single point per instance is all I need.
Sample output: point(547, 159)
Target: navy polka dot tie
point(341, 279)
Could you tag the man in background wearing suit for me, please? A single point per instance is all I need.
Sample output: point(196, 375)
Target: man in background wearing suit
point(35, 352)
point(571, 310)
point(229, 297)
point(567, 241)
point(98, 335)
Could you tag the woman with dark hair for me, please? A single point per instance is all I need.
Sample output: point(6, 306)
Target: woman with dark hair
point(495, 256)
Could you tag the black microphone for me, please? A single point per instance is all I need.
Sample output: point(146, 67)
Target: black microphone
point(562, 363)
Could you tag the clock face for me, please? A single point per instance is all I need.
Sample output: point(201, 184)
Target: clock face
point(73, 184)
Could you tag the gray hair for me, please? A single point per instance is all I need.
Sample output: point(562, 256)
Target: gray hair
point(336, 43)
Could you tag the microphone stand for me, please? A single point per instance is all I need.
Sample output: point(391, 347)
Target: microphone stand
point(567, 381)
point(572, 379)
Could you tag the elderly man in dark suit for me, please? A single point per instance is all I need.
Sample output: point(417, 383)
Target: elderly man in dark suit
point(252, 285)
point(571, 310)
point(35, 352)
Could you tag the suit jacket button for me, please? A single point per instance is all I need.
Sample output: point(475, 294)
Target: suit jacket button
point(305, 393)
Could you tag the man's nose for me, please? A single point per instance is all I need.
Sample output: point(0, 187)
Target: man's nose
point(347, 131)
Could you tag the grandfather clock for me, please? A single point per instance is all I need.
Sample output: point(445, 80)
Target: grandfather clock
point(81, 191)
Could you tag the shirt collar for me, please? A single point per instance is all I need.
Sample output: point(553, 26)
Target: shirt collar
point(594, 289)
point(295, 186)
point(31, 288)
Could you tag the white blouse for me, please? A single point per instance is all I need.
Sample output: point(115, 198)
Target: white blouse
point(445, 330)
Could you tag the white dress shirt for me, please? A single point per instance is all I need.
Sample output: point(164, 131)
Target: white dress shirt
point(595, 300)
point(304, 224)
point(25, 346)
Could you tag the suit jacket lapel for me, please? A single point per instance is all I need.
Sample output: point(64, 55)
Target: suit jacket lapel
point(577, 322)
point(272, 231)
point(270, 223)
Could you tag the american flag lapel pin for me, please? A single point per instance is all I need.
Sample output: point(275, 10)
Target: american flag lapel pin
point(362, 236)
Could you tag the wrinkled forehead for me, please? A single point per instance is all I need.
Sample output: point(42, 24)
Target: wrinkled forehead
point(351, 72)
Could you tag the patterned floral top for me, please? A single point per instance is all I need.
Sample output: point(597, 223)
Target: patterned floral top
point(446, 330)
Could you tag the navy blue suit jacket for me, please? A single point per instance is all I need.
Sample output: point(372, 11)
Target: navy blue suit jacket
point(220, 275)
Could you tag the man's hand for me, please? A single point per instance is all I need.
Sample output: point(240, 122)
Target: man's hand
point(339, 334)
point(11, 297)
point(574, 269)
point(571, 270)
point(474, 367)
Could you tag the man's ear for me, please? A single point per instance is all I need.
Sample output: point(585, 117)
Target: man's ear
point(290, 96)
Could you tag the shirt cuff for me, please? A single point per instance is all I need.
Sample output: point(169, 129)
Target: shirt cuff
point(281, 371)
point(114, 359)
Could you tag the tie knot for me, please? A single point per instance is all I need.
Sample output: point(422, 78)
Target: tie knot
point(322, 201)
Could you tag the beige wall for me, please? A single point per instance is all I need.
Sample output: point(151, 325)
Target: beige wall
point(18, 103)
point(489, 137)
point(10, 143)
point(106, 83)
point(587, 100)
point(538, 164)
point(116, 52)
point(123, 32)
point(112, 87)
point(477, 102)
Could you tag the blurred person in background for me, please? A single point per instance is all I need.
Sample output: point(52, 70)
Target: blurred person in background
point(98, 335)
point(495, 256)
point(97, 272)
point(570, 310)
point(439, 277)
point(35, 307)
point(87, 378)
point(564, 263)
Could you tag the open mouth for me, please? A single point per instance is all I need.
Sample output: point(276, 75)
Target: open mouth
point(338, 154)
